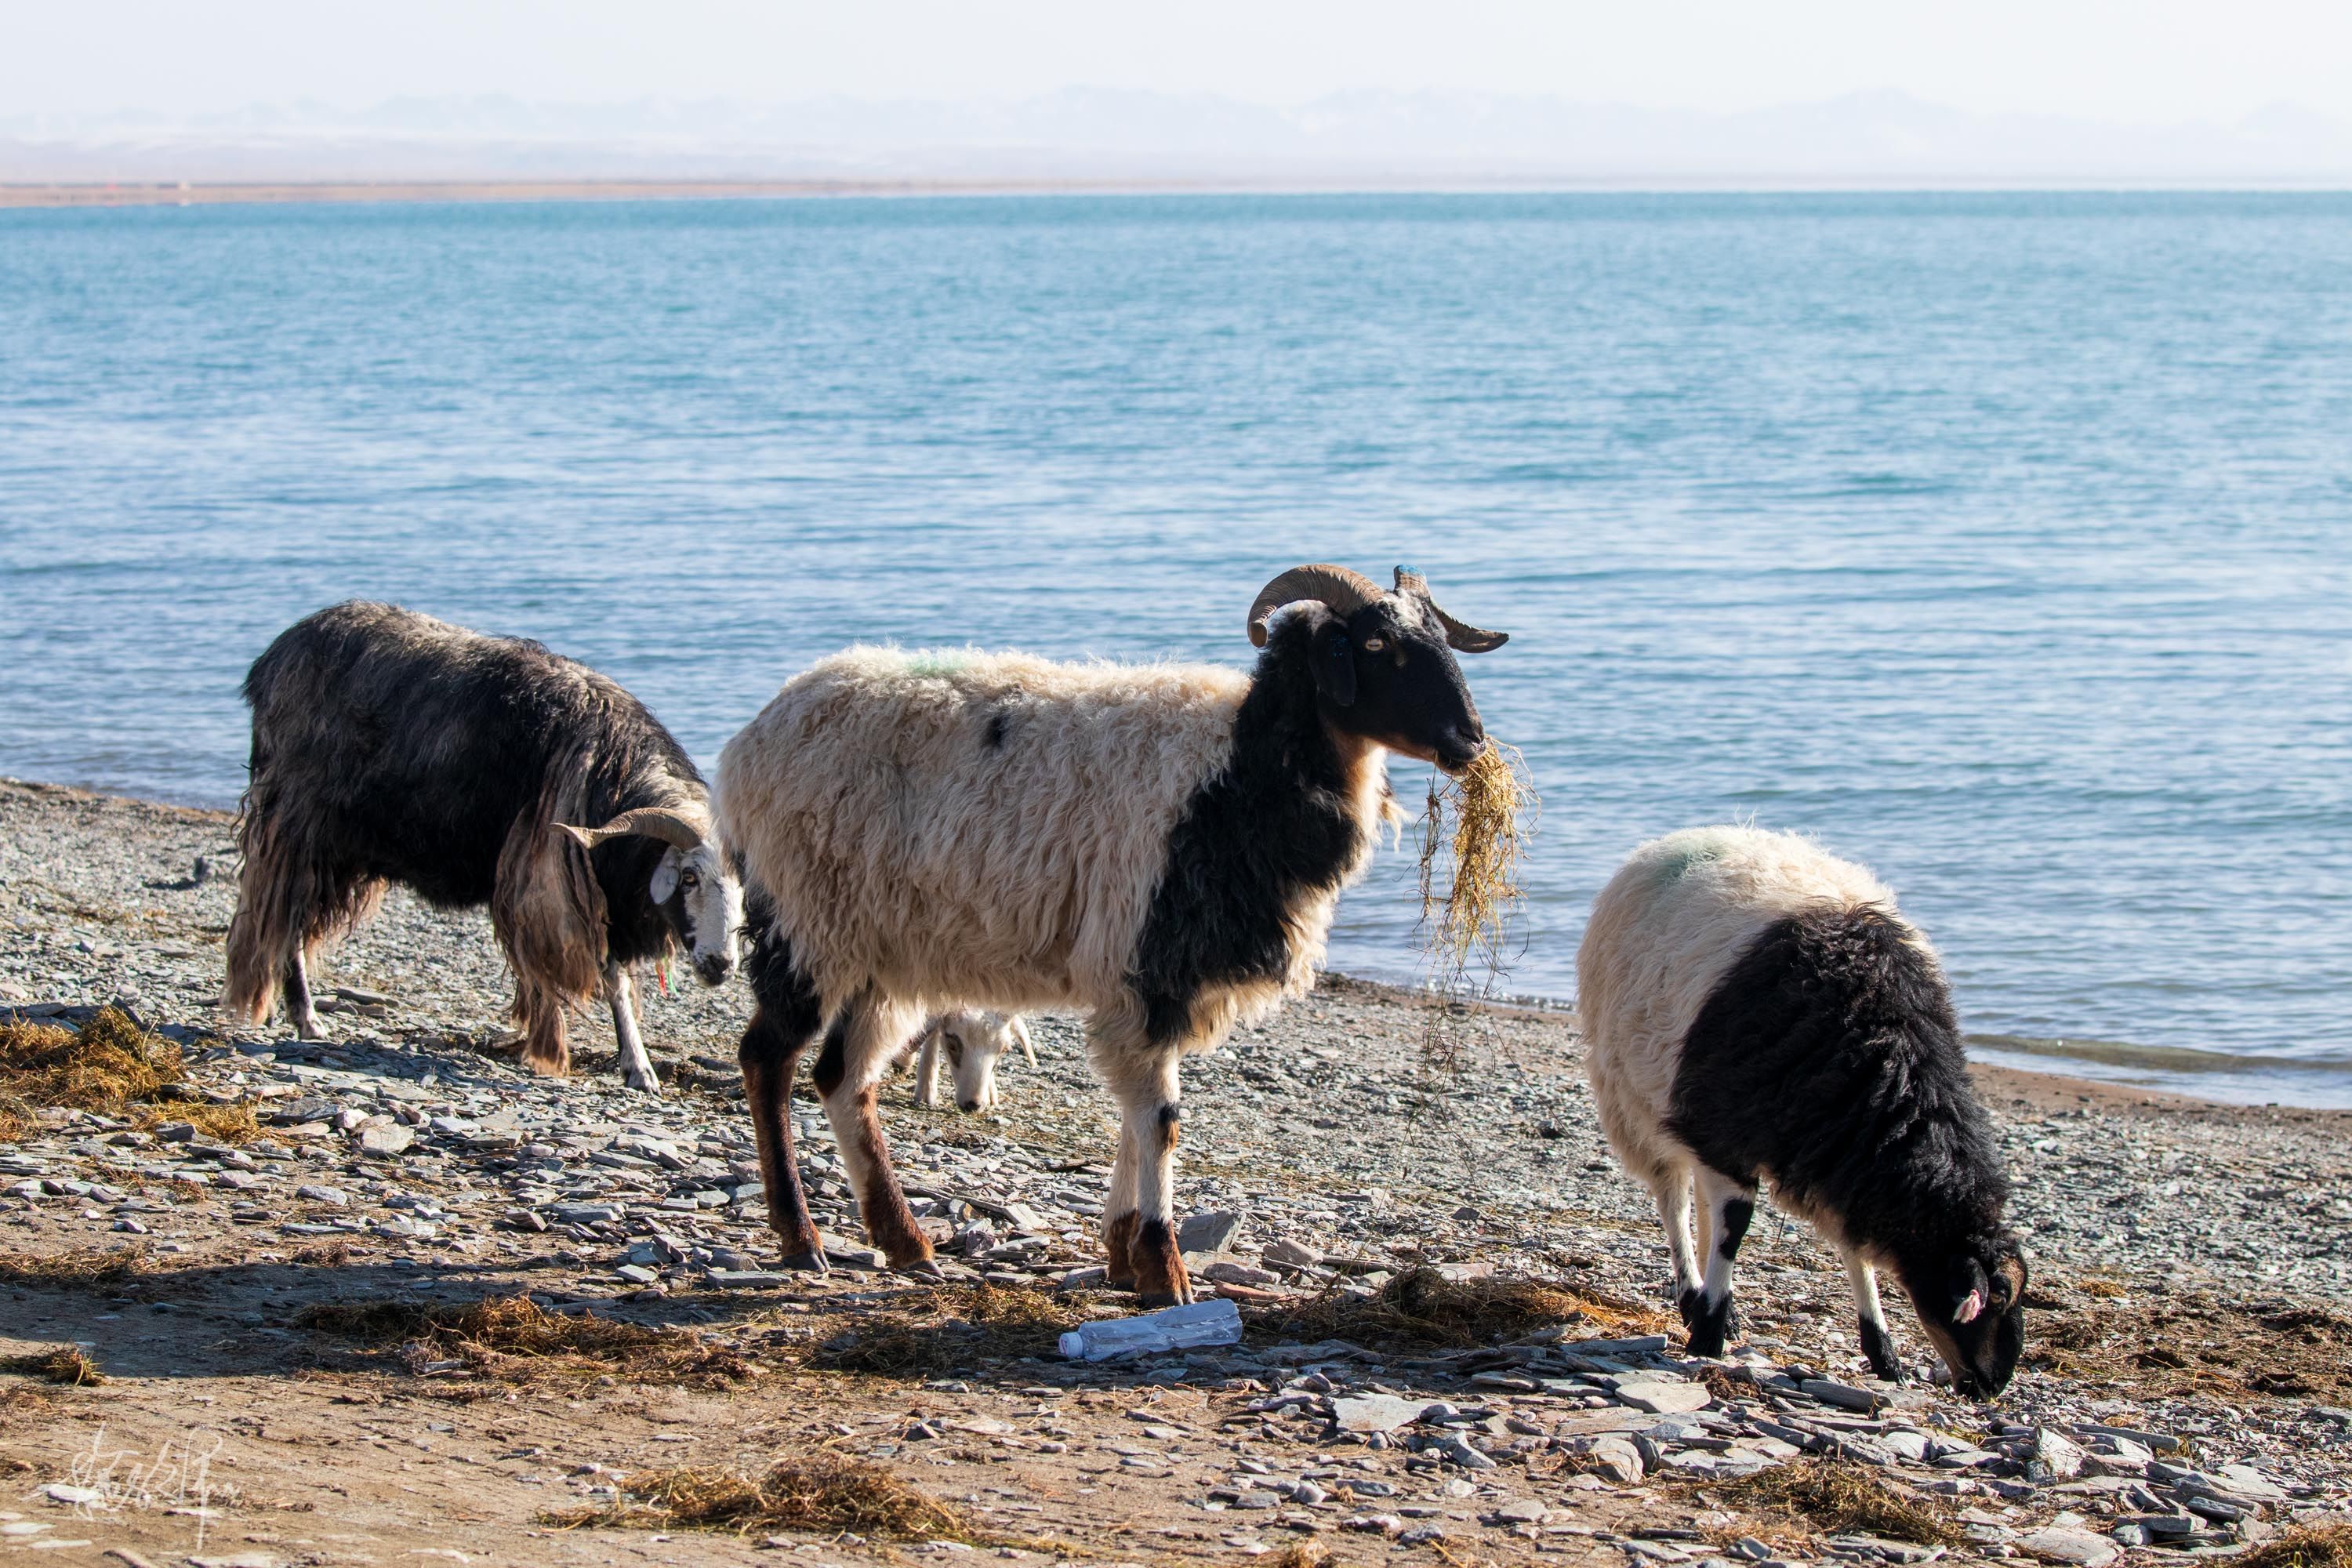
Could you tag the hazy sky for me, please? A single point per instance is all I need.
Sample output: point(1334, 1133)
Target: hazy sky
point(2143, 61)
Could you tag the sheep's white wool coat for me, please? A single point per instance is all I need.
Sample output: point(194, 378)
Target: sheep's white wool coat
point(1670, 924)
point(902, 848)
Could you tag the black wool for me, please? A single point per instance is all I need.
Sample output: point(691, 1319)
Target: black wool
point(1276, 824)
point(1828, 1059)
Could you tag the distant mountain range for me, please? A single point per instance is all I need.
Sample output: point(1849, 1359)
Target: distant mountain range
point(1102, 135)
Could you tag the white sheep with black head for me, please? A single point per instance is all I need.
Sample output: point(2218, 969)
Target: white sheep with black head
point(967, 1043)
point(1161, 845)
point(1757, 1010)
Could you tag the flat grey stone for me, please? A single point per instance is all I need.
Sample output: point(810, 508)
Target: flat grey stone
point(1666, 1398)
point(746, 1279)
point(1458, 1449)
point(392, 1138)
point(1211, 1231)
point(2078, 1547)
point(1611, 1455)
point(1375, 1413)
point(1845, 1395)
point(1290, 1254)
point(1647, 1344)
point(2056, 1456)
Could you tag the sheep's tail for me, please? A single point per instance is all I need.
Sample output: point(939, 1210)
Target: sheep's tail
point(287, 902)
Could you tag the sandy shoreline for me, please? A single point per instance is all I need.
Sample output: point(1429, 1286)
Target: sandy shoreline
point(2189, 1258)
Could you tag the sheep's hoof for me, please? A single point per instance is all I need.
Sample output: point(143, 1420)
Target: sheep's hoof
point(810, 1262)
point(1878, 1348)
point(1709, 1327)
point(643, 1085)
point(1152, 1300)
point(922, 1268)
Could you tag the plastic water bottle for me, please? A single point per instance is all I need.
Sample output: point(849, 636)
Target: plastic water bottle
point(1217, 1322)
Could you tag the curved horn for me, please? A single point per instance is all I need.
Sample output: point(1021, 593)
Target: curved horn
point(1343, 590)
point(1460, 636)
point(660, 822)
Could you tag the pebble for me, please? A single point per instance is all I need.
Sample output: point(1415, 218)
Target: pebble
point(1375, 1413)
point(1211, 1231)
point(389, 1139)
point(2077, 1548)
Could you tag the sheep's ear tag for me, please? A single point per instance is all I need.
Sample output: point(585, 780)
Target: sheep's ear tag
point(1966, 1312)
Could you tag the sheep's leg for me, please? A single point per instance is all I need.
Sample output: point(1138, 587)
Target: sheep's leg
point(859, 1049)
point(637, 1068)
point(786, 1018)
point(927, 1070)
point(1119, 1215)
point(1726, 1205)
point(1671, 1185)
point(1150, 1119)
point(300, 1009)
point(1878, 1344)
point(546, 1041)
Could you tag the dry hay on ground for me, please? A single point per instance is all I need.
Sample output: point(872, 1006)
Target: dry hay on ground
point(512, 1337)
point(2181, 1345)
point(27, 1403)
point(2326, 1546)
point(1297, 1555)
point(1837, 1497)
point(823, 1492)
point(105, 1066)
point(1422, 1306)
point(67, 1365)
point(109, 1065)
point(74, 1268)
point(942, 1329)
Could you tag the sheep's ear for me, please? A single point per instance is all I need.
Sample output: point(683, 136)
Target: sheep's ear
point(1335, 662)
point(1973, 1304)
point(665, 881)
point(1021, 1032)
point(2008, 1280)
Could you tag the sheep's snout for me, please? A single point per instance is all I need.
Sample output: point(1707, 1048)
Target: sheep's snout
point(1460, 745)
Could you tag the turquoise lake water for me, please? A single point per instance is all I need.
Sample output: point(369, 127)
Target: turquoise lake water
point(2004, 542)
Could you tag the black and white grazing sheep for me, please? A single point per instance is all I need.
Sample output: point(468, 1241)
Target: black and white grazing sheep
point(1160, 844)
point(1757, 1010)
point(970, 1044)
point(391, 747)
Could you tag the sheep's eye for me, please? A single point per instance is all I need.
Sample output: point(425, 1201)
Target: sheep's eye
point(955, 1050)
point(1374, 644)
point(689, 880)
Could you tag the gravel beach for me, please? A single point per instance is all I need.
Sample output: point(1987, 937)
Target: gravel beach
point(234, 1282)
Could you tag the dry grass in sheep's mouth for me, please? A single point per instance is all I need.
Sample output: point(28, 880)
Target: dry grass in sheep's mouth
point(1493, 807)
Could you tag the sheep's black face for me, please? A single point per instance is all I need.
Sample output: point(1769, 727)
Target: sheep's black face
point(1976, 1315)
point(1386, 674)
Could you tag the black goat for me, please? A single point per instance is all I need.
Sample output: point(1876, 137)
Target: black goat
point(392, 747)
